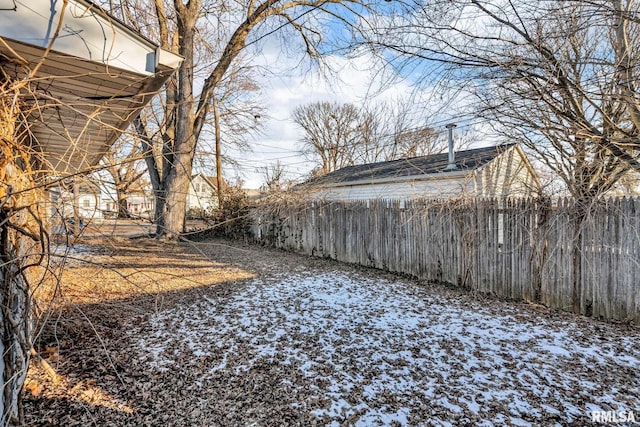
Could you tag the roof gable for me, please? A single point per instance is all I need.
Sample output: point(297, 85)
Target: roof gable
point(467, 160)
point(211, 181)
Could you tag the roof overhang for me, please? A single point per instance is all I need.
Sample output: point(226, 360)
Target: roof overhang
point(87, 83)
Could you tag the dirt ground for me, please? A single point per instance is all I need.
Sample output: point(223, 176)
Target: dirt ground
point(223, 333)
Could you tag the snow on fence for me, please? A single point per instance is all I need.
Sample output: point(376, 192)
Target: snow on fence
point(581, 260)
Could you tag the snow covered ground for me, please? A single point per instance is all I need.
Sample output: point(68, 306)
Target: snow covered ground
point(349, 348)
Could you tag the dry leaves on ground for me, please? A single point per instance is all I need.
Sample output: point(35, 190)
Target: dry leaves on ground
point(219, 333)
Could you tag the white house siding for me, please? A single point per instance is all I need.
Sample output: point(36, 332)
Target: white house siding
point(61, 205)
point(507, 175)
point(202, 195)
point(89, 206)
point(440, 187)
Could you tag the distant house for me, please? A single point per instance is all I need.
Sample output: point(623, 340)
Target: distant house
point(140, 204)
point(202, 197)
point(627, 186)
point(498, 171)
point(87, 199)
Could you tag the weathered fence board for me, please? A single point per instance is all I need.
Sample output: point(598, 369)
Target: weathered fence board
point(569, 259)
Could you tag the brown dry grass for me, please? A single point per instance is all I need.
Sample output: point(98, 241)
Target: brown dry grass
point(124, 268)
point(102, 284)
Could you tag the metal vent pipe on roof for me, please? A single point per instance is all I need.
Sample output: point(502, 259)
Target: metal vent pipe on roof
point(452, 155)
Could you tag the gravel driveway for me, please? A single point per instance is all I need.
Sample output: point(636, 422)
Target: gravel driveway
point(301, 341)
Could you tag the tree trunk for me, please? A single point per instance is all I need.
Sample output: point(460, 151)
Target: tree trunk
point(172, 208)
point(576, 297)
point(123, 205)
point(76, 209)
point(158, 218)
point(22, 250)
point(216, 118)
point(16, 334)
point(176, 184)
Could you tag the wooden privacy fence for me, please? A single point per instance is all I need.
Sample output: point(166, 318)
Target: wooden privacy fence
point(576, 259)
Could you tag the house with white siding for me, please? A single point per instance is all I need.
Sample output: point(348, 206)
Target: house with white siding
point(67, 200)
point(498, 171)
point(202, 197)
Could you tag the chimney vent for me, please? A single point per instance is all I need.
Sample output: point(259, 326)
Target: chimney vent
point(452, 155)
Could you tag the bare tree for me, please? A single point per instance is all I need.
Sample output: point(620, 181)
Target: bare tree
point(340, 135)
point(186, 110)
point(558, 76)
point(332, 133)
point(22, 248)
point(274, 177)
point(123, 164)
point(390, 132)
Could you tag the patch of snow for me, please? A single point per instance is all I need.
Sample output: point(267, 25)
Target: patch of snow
point(386, 351)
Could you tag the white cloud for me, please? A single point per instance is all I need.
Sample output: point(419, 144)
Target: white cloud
point(286, 86)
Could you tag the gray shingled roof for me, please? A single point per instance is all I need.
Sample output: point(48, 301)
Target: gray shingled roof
point(426, 165)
